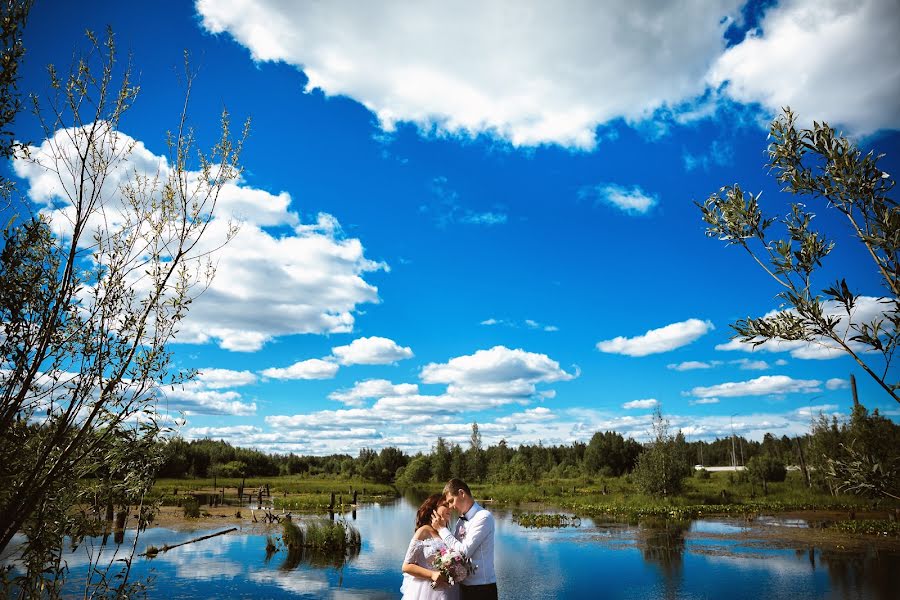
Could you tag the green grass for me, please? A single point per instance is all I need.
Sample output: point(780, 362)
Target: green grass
point(699, 497)
point(291, 492)
point(881, 527)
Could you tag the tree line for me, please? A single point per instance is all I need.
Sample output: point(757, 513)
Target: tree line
point(606, 454)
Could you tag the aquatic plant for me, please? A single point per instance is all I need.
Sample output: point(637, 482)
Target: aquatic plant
point(546, 520)
point(291, 535)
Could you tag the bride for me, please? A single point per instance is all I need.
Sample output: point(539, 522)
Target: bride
point(418, 573)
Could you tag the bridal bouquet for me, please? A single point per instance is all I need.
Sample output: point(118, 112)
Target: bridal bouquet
point(453, 566)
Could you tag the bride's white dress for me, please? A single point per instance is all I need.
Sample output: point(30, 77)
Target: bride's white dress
point(421, 552)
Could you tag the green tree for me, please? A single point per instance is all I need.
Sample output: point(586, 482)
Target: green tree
point(457, 462)
point(765, 468)
point(440, 460)
point(662, 467)
point(417, 471)
point(864, 456)
point(87, 315)
point(823, 165)
point(475, 458)
point(608, 453)
point(14, 14)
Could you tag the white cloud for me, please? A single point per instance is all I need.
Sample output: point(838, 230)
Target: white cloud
point(371, 351)
point(194, 400)
point(703, 401)
point(745, 364)
point(659, 340)
point(867, 308)
point(215, 379)
point(816, 410)
point(530, 74)
point(373, 388)
point(306, 279)
point(837, 384)
point(761, 386)
point(499, 371)
point(538, 414)
point(208, 393)
point(647, 403)
point(633, 201)
point(827, 59)
point(689, 365)
point(314, 368)
point(526, 324)
point(233, 431)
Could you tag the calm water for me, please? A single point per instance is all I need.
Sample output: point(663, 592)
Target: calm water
point(595, 560)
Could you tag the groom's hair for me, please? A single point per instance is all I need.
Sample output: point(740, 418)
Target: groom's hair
point(454, 485)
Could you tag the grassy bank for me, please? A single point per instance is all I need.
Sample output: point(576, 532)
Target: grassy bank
point(291, 492)
point(721, 493)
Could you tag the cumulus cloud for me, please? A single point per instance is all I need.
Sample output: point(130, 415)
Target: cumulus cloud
point(538, 414)
point(371, 351)
point(867, 309)
point(499, 371)
point(837, 384)
point(659, 340)
point(827, 59)
point(703, 401)
point(633, 201)
point(646, 403)
point(690, 365)
point(215, 379)
point(233, 431)
point(373, 388)
point(194, 400)
point(761, 386)
point(745, 364)
point(309, 278)
point(314, 368)
point(530, 74)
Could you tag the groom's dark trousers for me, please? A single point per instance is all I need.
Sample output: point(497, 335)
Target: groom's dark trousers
point(487, 591)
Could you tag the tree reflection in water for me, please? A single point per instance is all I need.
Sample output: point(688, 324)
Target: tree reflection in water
point(661, 542)
point(869, 573)
point(314, 557)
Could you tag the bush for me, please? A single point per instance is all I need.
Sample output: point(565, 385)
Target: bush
point(766, 468)
point(701, 474)
point(661, 469)
point(291, 535)
point(191, 507)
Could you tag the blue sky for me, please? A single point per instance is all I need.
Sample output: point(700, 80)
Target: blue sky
point(458, 214)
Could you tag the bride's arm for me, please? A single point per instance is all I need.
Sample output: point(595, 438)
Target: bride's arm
point(409, 562)
point(417, 571)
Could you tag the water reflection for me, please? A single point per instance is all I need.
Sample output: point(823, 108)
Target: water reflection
point(651, 559)
point(662, 544)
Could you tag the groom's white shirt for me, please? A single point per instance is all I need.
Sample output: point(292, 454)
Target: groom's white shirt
point(477, 543)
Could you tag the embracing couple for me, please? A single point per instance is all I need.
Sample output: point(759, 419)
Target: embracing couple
point(441, 564)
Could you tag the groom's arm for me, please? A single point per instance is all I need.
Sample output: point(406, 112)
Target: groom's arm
point(478, 529)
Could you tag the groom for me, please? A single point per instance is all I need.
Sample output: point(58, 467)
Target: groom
point(473, 537)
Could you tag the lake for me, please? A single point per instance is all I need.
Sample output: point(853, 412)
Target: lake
point(708, 558)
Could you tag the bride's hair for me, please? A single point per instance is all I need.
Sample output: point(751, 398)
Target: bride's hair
point(423, 515)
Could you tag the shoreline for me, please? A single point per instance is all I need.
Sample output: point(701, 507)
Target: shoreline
point(768, 529)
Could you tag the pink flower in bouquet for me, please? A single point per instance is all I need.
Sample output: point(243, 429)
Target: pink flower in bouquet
point(453, 566)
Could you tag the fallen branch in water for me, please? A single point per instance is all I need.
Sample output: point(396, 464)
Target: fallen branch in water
point(166, 548)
